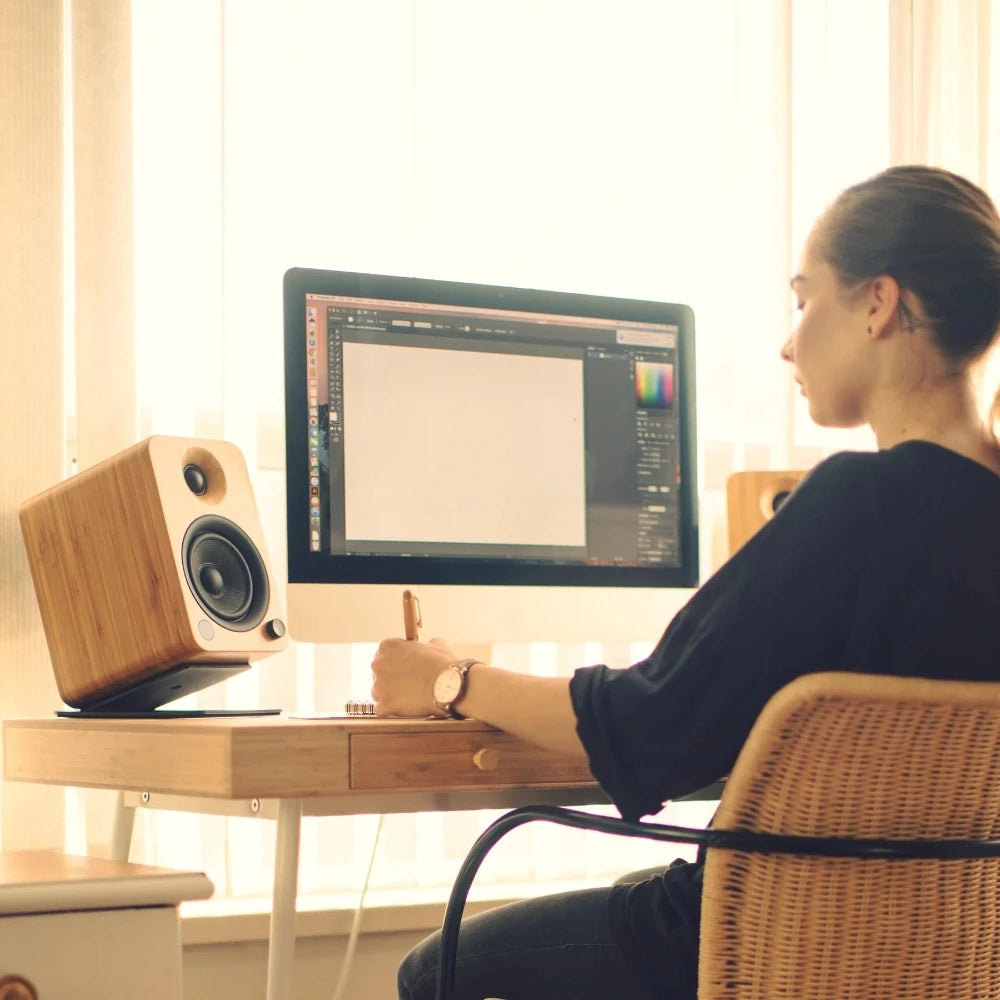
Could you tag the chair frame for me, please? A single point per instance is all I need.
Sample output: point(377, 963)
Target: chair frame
point(836, 842)
point(748, 841)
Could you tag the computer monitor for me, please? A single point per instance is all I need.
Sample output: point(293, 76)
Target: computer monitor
point(522, 460)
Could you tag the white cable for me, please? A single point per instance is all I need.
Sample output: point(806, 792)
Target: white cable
point(352, 941)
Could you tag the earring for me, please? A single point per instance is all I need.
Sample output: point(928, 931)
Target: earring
point(869, 331)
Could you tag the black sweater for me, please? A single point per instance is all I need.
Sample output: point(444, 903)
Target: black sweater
point(884, 562)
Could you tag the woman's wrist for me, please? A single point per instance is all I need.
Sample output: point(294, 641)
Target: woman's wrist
point(451, 686)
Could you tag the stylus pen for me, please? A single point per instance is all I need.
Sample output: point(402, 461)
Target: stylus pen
point(411, 615)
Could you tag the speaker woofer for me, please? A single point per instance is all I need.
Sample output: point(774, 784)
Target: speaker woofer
point(225, 572)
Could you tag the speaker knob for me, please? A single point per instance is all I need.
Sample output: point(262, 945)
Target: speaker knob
point(195, 478)
point(275, 628)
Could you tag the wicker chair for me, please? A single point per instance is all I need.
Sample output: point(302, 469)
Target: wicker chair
point(855, 852)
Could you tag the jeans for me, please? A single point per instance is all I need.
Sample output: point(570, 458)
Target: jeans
point(557, 947)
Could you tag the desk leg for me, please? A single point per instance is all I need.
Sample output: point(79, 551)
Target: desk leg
point(121, 829)
point(281, 950)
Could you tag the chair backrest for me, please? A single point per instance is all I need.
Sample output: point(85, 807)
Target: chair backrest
point(849, 755)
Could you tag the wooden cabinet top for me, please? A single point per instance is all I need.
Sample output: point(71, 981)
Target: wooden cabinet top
point(47, 881)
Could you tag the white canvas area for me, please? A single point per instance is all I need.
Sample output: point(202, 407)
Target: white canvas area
point(463, 446)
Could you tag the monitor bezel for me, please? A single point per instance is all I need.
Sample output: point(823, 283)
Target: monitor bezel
point(305, 566)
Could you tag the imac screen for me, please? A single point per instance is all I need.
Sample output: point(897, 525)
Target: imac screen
point(450, 433)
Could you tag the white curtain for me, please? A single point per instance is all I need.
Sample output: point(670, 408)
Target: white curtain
point(649, 149)
point(654, 148)
point(31, 364)
point(946, 98)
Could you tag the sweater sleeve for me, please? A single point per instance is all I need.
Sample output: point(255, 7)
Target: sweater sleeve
point(780, 607)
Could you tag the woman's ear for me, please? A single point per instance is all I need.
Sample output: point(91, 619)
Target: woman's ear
point(883, 304)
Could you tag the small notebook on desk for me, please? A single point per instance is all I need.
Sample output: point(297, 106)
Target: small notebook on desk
point(353, 709)
point(359, 707)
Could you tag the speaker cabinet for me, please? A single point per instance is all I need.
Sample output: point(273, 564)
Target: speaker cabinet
point(753, 498)
point(151, 575)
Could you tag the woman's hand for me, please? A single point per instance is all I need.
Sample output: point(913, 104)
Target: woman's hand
point(404, 672)
point(538, 709)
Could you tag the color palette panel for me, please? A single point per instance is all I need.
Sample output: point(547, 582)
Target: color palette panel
point(654, 385)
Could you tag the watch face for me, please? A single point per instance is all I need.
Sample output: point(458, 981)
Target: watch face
point(447, 686)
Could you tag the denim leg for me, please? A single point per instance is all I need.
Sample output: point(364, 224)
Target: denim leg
point(537, 949)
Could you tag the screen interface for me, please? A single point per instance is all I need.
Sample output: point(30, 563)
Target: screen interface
point(442, 435)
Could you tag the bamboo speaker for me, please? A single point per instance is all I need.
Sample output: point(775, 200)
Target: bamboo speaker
point(151, 575)
point(753, 498)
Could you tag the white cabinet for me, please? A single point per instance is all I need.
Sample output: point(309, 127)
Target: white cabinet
point(93, 929)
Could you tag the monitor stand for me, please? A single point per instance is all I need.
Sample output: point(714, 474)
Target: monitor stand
point(143, 700)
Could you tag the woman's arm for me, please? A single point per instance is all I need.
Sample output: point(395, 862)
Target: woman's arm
point(537, 709)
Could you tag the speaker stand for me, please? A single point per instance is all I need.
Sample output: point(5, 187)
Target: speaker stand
point(144, 699)
point(167, 713)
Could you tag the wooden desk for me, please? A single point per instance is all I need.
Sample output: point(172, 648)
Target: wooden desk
point(280, 767)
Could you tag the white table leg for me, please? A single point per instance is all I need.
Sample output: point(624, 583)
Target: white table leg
point(121, 829)
point(281, 948)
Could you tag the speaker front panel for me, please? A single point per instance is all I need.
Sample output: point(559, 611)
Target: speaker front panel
point(218, 546)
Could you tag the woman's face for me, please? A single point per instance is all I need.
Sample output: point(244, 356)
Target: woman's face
point(828, 347)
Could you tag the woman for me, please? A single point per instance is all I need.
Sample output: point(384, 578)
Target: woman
point(880, 562)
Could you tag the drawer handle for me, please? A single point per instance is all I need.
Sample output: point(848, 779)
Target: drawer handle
point(17, 988)
point(486, 759)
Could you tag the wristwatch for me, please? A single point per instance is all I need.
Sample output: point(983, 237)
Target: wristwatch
point(449, 687)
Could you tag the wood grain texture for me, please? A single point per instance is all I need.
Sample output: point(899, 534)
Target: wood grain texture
point(442, 759)
point(275, 757)
point(105, 550)
point(46, 881)
point(750, 499)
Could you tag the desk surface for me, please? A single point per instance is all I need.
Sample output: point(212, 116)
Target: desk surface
point(281, 757)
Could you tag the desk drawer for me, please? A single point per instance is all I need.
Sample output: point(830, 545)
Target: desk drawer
point(448, 761)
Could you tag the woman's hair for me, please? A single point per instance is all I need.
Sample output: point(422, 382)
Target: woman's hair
point(938, 235)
